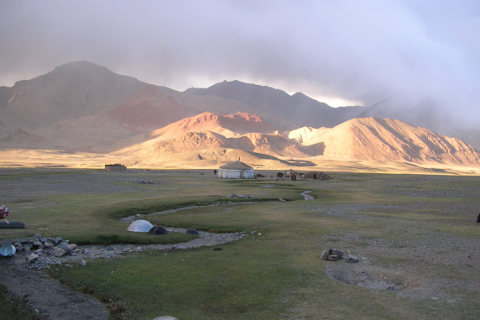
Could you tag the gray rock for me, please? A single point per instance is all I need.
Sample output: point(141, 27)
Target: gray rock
point(156, 230)
point(324, 255)
point(48, 245)
point(63, 246)
point(352, 259)
point(336, 252)
point(58, 252)
point(37, 244)
point(192, 231)
point(332, 257)
point(32, 258)
point(165, 318)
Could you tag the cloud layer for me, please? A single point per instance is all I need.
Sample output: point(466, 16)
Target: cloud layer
point(359, 51)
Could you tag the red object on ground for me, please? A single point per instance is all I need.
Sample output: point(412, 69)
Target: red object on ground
point(3, 212)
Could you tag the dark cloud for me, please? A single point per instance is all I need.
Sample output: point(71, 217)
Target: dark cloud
point(361, 51)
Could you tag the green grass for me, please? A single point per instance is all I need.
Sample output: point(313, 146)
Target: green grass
point(274, 272)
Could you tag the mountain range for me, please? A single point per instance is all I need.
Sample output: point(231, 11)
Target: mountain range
point(83, 107)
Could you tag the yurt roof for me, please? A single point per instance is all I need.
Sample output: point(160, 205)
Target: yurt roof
point(236, 165)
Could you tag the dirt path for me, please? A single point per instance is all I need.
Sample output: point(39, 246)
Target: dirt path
point(47, 297)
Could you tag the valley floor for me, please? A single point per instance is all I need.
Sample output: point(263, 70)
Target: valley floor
point(415, 235)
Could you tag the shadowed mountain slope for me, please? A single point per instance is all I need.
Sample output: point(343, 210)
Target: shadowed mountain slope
point(298, 108)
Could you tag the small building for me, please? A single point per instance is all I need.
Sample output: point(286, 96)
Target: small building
point(115, 167)
point(236, 170)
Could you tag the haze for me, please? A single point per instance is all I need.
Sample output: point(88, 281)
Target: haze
point(339, 52)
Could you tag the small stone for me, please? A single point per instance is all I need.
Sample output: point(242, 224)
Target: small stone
point(32, 258)
point(48, 244)
point(72, 246)
point(352, 259)
point(165, 318)
point(52, 241)
point(83, 262)
point(324, 255)
point(36, 244)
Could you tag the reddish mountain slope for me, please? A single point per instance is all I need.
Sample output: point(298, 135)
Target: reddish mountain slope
point(228, 126)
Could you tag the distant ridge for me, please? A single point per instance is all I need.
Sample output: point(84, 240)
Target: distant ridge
point(298, 108)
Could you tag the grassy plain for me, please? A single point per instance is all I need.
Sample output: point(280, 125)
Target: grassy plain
point(415, 234)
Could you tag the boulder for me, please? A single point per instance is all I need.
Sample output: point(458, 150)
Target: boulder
point(63, 246)
point(140, 226)
point(332, 257)
point(192, 231)
point(58, 252)
point(324, 255)
point(478, 218)
point(352, 259)
point(157, 230)
point(336, 252)
point(32, 258)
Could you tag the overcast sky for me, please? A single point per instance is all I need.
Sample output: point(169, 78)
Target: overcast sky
point(339, 52)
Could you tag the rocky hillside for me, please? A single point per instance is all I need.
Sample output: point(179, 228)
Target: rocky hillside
point(387, 139)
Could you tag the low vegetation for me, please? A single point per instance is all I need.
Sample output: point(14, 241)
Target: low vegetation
point(415, 233)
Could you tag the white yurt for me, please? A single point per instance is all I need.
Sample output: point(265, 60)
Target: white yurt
point(236, 170)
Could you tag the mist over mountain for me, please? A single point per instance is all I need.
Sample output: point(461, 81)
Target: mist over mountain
point(426, 114)
point(297, 109)
point(83, 107)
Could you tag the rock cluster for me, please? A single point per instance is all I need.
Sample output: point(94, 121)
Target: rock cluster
point(45, 246)
point(233, 195)
point(334, 255)
point(38, 257)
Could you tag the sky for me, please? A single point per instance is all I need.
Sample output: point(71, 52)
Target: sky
point(338, 52)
